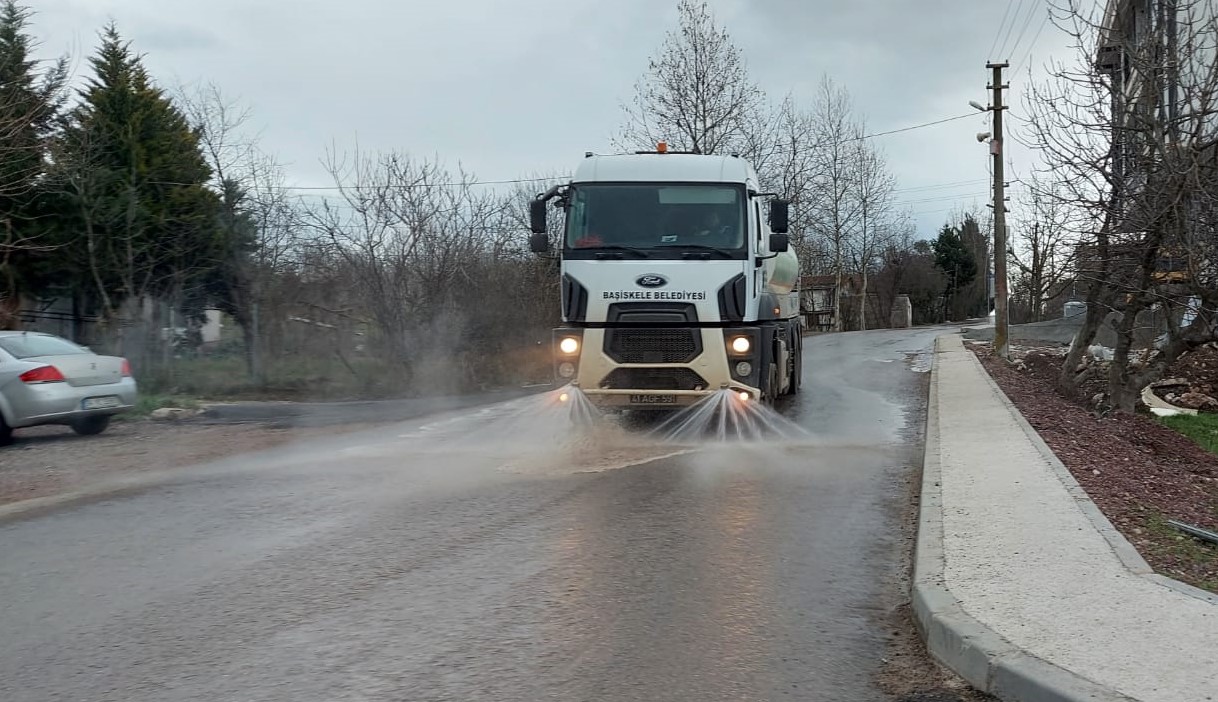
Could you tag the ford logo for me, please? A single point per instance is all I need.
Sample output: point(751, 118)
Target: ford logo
point(651, 280)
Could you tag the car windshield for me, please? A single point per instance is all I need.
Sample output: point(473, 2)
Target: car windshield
point(656, 216)
point(34, 345)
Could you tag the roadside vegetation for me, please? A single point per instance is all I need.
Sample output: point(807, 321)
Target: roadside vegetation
point(151, 402)
point(146, 220)
point(1127, 191)
point(1202, 428)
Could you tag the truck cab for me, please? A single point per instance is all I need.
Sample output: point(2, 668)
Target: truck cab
point(677, 281)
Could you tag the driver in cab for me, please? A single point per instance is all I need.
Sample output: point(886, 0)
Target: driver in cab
point(704, 228)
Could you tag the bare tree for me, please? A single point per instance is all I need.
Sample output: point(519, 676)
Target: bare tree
point(1042, 248)
point(788, 164)
point(835, 210)
point(1127, 137)
point(697, 93)
point(873, 188)
point(251, 187)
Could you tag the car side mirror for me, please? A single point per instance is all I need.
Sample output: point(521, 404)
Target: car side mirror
point(537, 216)
point(780, 211)
point(539, 243)
point(779, 243)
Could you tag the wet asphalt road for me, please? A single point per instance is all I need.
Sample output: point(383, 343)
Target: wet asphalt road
point(418, 563)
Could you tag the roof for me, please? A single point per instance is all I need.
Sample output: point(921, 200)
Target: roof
point(687, 168)
point(19, 332)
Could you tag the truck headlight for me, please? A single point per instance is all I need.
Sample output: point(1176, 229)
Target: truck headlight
point(743, 368)
point(741, 344)
point(569, 345)
point(566, 369)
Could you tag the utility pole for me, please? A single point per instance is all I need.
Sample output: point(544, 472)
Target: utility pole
point(1001, 340)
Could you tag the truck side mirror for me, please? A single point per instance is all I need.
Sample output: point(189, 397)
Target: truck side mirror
point(779, 216)
point(537, 216)
point(539, 243)
point(779, 243)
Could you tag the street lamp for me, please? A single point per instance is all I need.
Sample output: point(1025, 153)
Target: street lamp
point(1000, 233)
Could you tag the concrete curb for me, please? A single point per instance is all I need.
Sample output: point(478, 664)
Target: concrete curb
point(980, 655)
point(39, 506)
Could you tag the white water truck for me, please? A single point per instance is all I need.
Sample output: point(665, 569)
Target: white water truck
point(676, 282)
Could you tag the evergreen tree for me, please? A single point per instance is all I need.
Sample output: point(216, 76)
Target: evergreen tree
point(135, 180)
point(30, 100)
point(955, 260)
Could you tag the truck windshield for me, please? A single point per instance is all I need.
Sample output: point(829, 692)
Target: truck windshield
point(656, 217)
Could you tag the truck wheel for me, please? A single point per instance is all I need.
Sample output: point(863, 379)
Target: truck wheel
point(90, 426)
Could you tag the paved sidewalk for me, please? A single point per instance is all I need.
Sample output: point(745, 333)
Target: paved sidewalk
point(1021, 585)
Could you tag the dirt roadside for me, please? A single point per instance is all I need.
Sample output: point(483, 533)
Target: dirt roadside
point(47, 461)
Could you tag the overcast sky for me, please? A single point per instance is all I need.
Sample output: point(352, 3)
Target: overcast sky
point(527, 86)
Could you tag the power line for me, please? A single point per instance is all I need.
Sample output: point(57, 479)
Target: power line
point(434, 185)
point(940, 198)
point(1000, 26)
point(1024, 29)
point(512, 181)
point(1032, 46)
point(941, 186)
point(1011, 28)
point(906, 129)
point(926, 212)
point(405, 186)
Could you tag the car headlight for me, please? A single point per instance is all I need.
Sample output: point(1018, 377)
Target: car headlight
point(741, 344)
point(569, 345)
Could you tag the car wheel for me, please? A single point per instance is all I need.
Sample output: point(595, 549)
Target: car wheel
point(91, 425)
point(6, 433)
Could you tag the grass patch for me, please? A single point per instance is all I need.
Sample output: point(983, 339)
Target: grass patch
point(288, 378)
point(1192, 555)
point(1202, 428)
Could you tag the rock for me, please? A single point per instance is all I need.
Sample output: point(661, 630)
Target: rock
point(1169, 383)
point(172, 414)
point(1099, 352)
point(1097, 399)
point(1197, 401)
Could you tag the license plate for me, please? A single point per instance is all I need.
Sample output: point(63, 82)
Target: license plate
point(653, 399)
point(100, 402)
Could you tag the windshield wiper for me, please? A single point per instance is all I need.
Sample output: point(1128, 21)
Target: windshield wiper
point(699, 248)
point(607, 248)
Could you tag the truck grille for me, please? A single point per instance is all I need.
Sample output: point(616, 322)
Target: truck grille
point(653, 345)
point(653, 379)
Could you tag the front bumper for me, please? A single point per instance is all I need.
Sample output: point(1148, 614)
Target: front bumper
point(61, 403)
point(599, 376)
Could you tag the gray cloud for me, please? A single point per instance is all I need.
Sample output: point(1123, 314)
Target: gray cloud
point(528, 86)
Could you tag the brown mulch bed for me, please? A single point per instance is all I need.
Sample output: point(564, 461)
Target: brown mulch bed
point(1139, 472)
point(1200, 367)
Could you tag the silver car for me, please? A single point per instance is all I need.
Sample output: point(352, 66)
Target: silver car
point(48, 380)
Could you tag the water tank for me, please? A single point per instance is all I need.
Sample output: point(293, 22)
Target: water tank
point(1074, 308)
point(782, 272)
